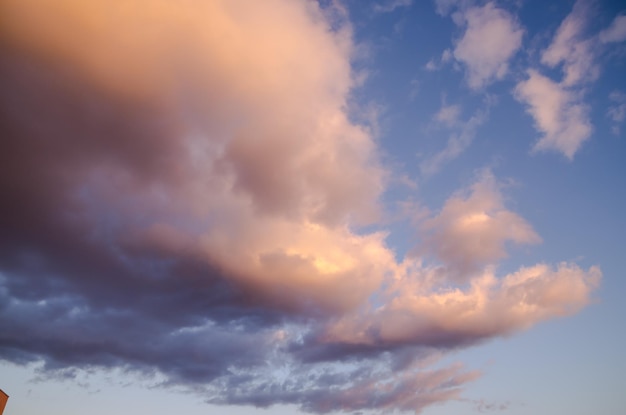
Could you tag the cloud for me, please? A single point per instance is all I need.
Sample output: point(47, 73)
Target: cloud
point(491, 38)
point(558, 109)
point(482, 406)
point(490, 306)
point(184, 193)
point(616, 32)
point(389, 6)
point(458, 142)
point(433, 65)
point(571, 50)
point(617, 111)
point(414, 89)
point(471, 230)
point(559, 114)
point(460, 301)
point(289, 170)
point(404, 389)
point(444, 7)
point(448, 114)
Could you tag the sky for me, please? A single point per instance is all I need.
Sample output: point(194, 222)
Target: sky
point(289, 207)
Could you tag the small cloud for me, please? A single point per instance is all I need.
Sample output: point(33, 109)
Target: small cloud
point(616, 32)
point(484, 406)
point(572, 51)
point(617, 111)
point(389, 6)
point(558, 107)
point(461, 138)
point(472, 229)
point(431, 65)
point(559, 114)
point(491, 39)
point(448, 114)
point(414, 89)
point(444, 7)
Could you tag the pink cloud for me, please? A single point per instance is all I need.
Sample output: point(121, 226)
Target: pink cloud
point(186, 176)
point(569, 49)
point(491, 39)
point(558, 112)
point(421, 311)
point(472, 230)
point(616, 32)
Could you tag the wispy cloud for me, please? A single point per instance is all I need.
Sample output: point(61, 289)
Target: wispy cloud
point(435, 64)
point(448, 114)
point(616, 32)
point(389, 6)
point(617, 110)
point(444, 7)
point(570, 49)
point(463, 133)
point(431, 65)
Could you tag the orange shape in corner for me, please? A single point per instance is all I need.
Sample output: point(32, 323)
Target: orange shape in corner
point(3, 400)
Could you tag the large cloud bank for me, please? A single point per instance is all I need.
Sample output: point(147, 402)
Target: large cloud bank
point(182, 187)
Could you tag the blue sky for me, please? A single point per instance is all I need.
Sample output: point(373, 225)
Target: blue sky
point(291, 207)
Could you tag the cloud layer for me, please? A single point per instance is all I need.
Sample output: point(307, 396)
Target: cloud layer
point(184, 191)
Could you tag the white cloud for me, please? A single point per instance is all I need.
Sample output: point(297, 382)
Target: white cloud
point(616, 32)
point(491, 38)
point(559, 113)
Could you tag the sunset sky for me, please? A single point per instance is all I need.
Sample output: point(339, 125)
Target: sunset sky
point(281, 207)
